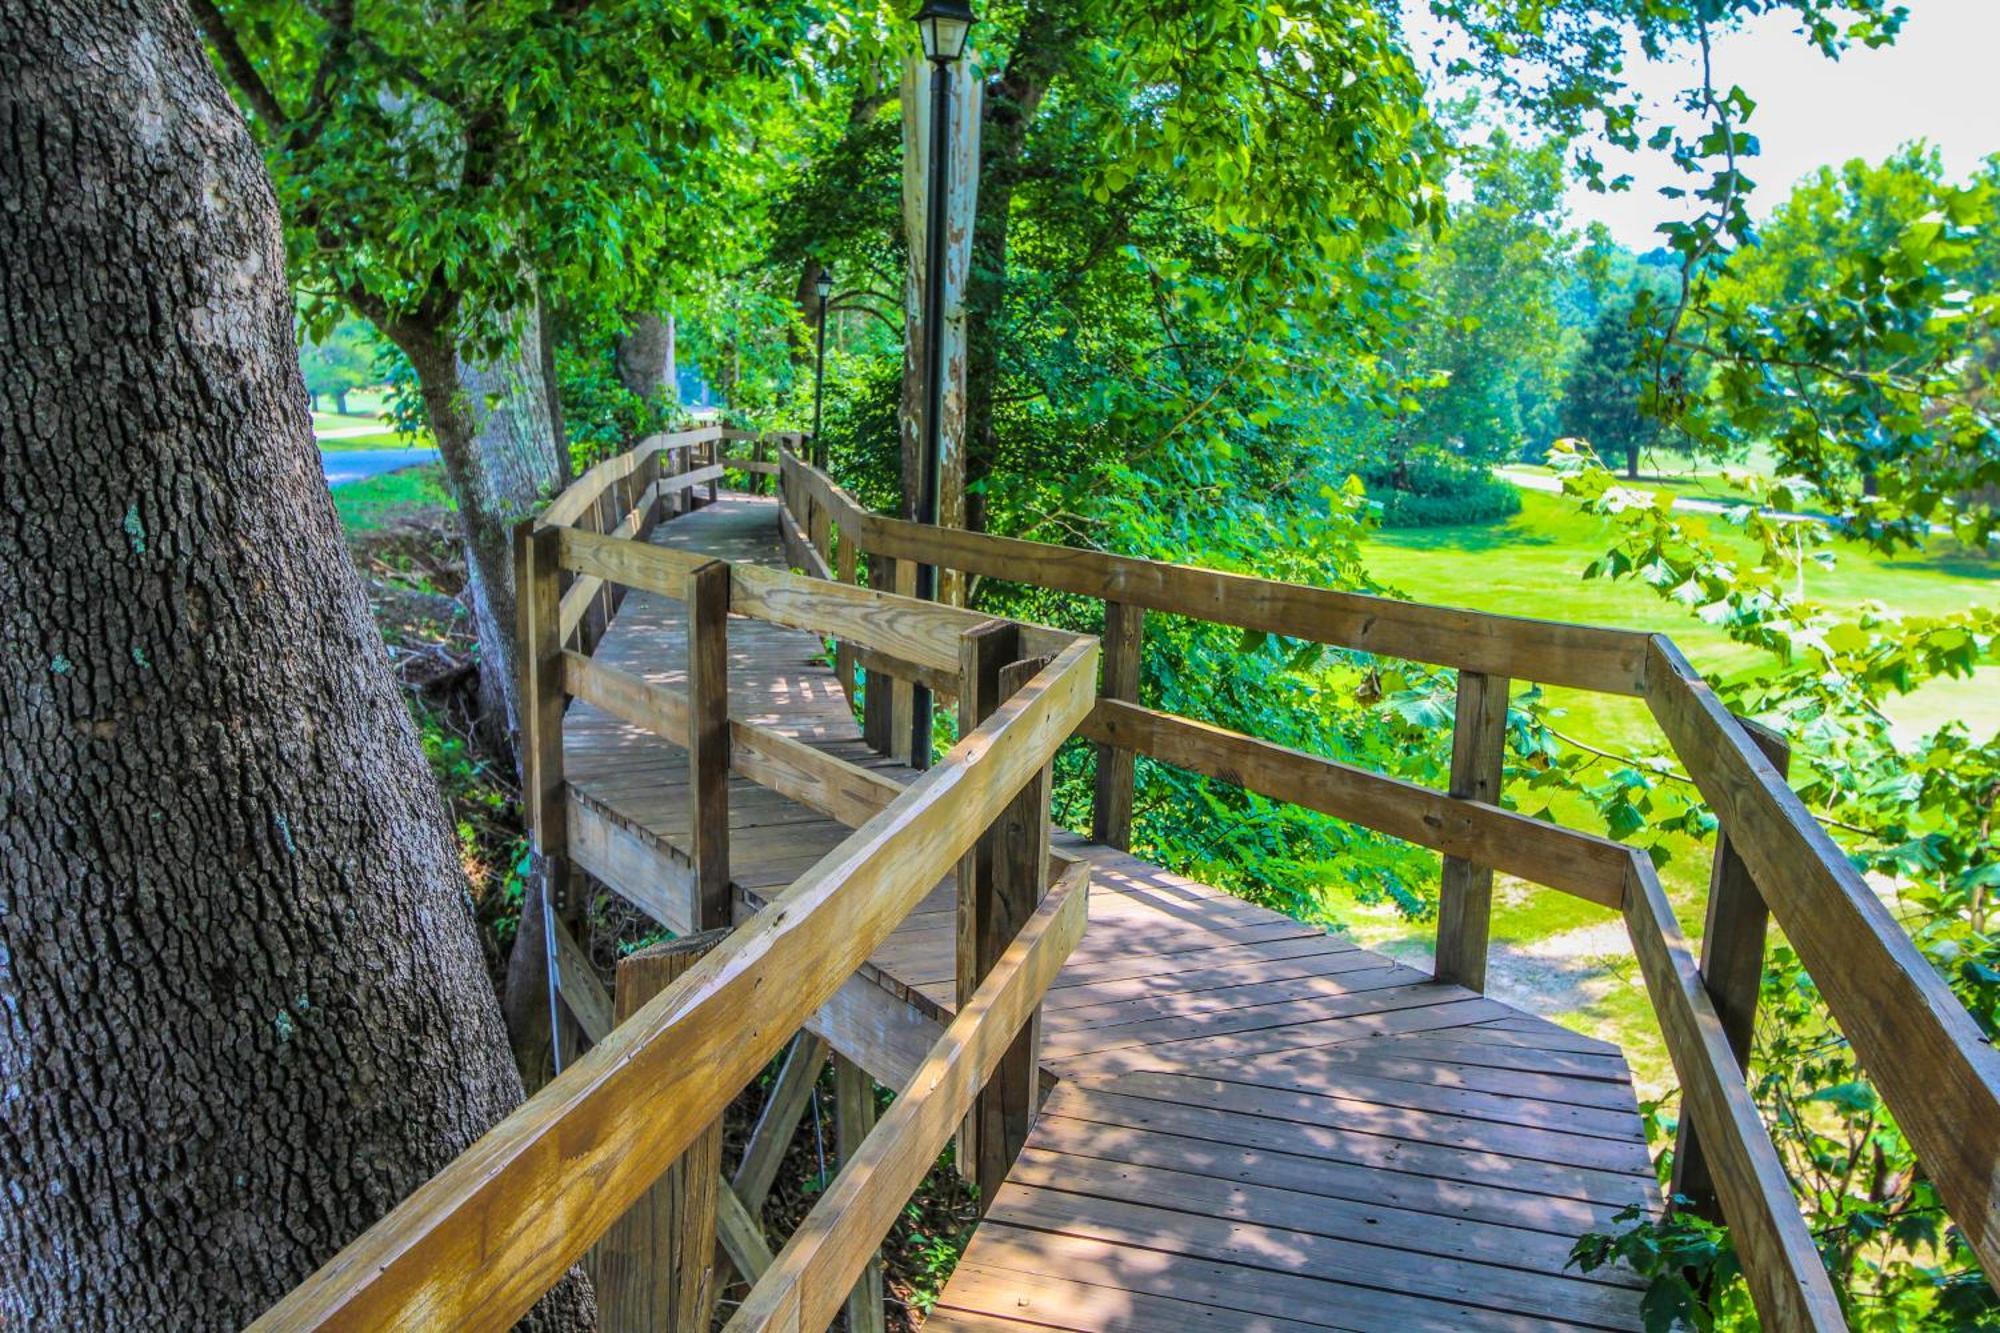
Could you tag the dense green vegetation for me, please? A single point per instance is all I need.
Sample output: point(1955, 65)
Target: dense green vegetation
point(367, 506)
point(1246, 292)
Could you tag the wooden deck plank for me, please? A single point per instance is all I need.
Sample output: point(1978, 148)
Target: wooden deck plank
point(1259, 1125)
point(1548, 1186)
point(1495, 1244)
point(1069, 1126)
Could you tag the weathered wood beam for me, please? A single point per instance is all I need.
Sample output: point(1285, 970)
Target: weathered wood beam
point(853, 1119)
point(819, 1265)
point(779, 1119)
point(1780, 1261)
point(1922, 1050)
point(655, 1270)
point(482, 1240)
point(1465, 893)
point(1589, 867)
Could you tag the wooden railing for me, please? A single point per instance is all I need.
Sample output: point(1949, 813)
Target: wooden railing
point(479, 1244)
point(1922, 1049)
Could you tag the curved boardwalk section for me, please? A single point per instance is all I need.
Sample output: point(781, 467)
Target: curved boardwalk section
point(1253, 1124)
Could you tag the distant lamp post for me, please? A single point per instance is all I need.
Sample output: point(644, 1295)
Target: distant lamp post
point(823, 284)
point(944, 26)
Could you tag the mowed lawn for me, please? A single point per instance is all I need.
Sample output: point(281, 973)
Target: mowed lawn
point(380, 500)
point(1554, 954)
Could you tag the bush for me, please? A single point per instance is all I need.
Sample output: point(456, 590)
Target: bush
point(1433, 489)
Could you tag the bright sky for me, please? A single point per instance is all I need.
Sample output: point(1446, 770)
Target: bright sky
point(1938, 82)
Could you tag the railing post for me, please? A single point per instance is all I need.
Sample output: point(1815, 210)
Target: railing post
point(715, 451)
point(1111, 810)
point(670, 467)
point(1465, 897)
point(544, 796)
point(655, 1268)
point(853, 1117)
point(1000, 883)
point(846, 556)
point(877, 709)
point(708, 739)
point(1732, 970)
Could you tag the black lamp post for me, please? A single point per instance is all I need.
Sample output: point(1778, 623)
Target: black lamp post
point(823, 284)
point(944, 26)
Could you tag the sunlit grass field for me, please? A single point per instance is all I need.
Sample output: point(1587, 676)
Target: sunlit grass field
point(1557, 955)
point(379, 500)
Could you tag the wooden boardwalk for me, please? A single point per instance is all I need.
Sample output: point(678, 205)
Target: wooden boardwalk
point(1255, 1125)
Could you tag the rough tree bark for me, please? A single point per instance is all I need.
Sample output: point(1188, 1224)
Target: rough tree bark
point(242, 1008)
point(1048, 40)
point(960, 202)
point(496, 437)
point(646, 359)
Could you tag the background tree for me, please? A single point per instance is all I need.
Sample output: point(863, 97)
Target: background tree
point(1604, 394)
point(339, 363)
point(1858, 335)
point(452, 175)
point(242, 1008)
point(448, 173)
point(1492, 324)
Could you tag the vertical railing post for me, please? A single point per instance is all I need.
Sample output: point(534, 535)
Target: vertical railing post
point(544, 796)
point(708, 739)
point(654, 1271)
point(1732, 970)
point(1000, 882)
point(1465, 897)
point(715, 452)
point(877, 708)
point(1111, 810)
point(853, 1117)
point(903, 693)
point(670, 467)
point(846, 559)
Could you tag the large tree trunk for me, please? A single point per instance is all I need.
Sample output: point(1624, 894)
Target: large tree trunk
point(1047, 40)
point(242, 1008)
point(497, 437)
point(960, 201)
point(646, 359)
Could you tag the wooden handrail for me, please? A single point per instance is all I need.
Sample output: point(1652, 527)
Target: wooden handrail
point(1935, 1070)
point(1582, 656)
point(1781, 1264)
point(1934, 1067)
point(1588, 867)
point(478, 1244)
point(805, 1287)
point(1920, 1047)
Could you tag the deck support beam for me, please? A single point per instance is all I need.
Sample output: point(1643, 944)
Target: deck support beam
point(545, 794)
point(708, 739)
point(853, 1118)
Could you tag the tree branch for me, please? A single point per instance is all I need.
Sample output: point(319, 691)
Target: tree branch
point(237, 64)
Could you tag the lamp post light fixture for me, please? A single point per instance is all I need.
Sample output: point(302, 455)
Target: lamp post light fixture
point(944, 26)
point(823, 284)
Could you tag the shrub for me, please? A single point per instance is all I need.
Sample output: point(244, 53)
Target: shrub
point(1431, 488)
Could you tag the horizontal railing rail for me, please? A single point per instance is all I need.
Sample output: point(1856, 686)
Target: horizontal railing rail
point(479, 1243)
point(1934, 1069)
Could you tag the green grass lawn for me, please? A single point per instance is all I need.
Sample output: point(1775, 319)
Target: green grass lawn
point(386, 438)
point(364, 407)
point(1556, 955)
point(380, 500)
